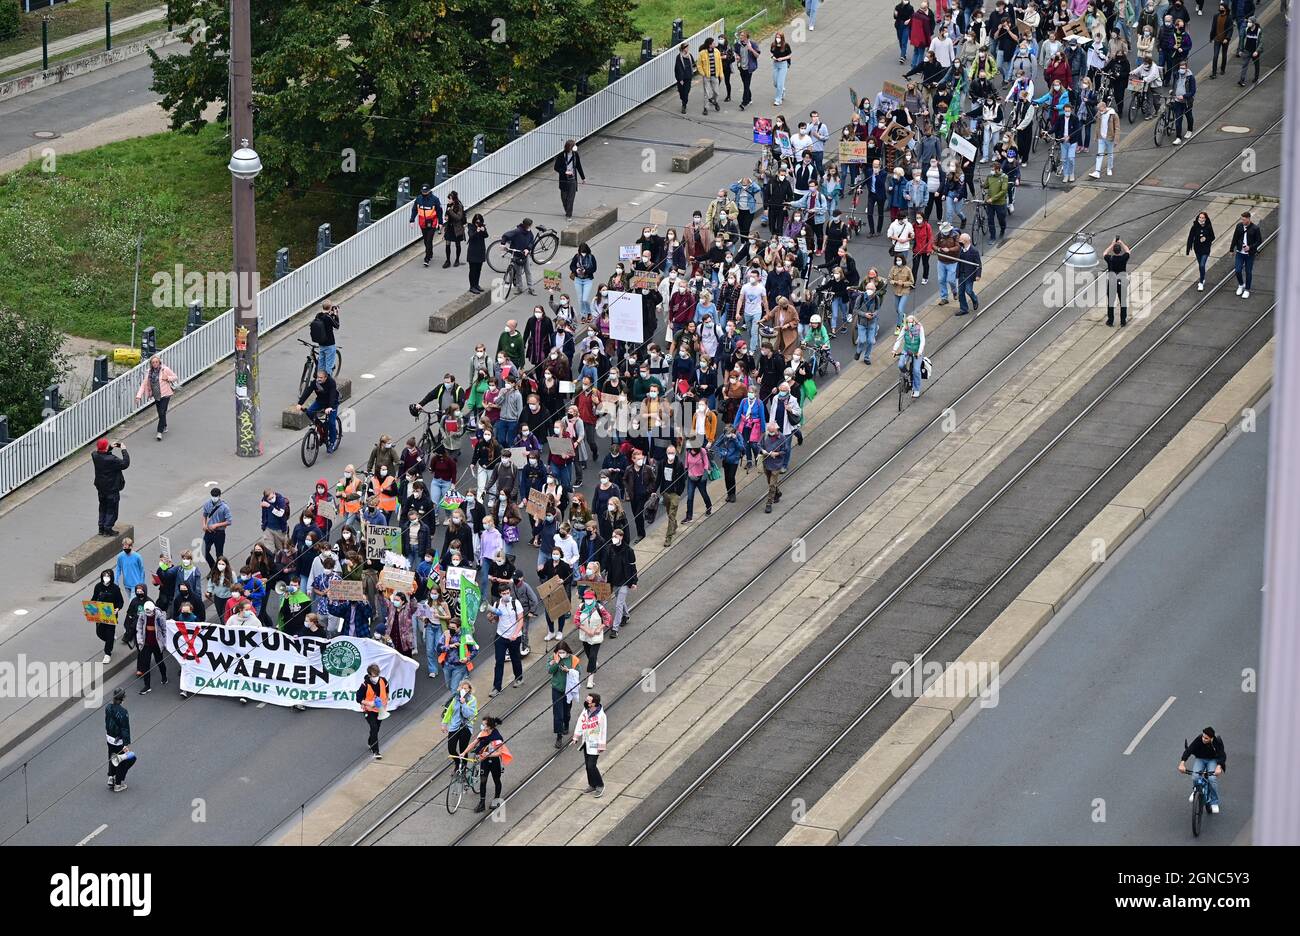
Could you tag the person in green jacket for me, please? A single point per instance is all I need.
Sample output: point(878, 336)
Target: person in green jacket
point(294, 606)
point(511, 344)
point(996, 187)
point(562, 663)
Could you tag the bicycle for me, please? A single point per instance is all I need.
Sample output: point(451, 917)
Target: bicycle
point(313, 364)
point(502, 256)
point(1053, 162)
point(1165, 128)
point(905, 379)
point(1144, 99)
point(317, 437)
point(464, 777)
point(980, 228)
point(1200, 793)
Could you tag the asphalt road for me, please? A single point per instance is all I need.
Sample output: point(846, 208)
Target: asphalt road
point(250, 767)
point(1176, 617)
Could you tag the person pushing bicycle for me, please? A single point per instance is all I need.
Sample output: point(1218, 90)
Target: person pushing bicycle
point(520, 240)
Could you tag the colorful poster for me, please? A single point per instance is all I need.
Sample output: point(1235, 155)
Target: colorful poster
point(550, 279)
point(853, 151)
point(99, 612)
point(470, 600)
point(763, 130)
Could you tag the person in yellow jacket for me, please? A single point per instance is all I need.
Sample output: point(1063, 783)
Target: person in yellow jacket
point(709, 65)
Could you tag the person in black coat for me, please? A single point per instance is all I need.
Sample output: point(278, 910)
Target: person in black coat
point(476, 251)
point(568, 167)
point(107, 591)
point(109, 462)
point(684, 73)
point(1199, 240)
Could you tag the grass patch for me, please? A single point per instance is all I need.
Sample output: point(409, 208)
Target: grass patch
point(69, 19)
point(67, 238)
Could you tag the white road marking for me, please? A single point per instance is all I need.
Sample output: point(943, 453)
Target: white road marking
point(163, 514)
point(93, 834)
point(1147, 727)
point(21, 612)
point(261, 705)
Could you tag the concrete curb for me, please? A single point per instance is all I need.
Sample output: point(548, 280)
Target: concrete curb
point(62, 71)
point(837, 813)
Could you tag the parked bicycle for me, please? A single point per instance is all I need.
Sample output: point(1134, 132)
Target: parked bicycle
point(1052, 163)
point(313, 364)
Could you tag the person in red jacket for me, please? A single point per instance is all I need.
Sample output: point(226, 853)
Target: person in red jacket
point(922, 247)
point(1058, 69)
point(922, 32)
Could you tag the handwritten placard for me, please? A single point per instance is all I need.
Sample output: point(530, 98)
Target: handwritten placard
point(658, 216)
point(380, 539)
point(629, 253)
point(537, 504)
point(518, 456)
point(644, 281)
point(346, 590)
point(552, 594)
point(325, 510)
point(561, 446)
point(165, 547)
point(853, 151)
point(400, 580)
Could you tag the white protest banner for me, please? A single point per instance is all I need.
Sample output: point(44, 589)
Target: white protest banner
point(270, 666)
point(962, 145)
point(629, 253)
point(625, 321)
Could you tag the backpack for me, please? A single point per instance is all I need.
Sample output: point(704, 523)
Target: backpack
point(318, 330)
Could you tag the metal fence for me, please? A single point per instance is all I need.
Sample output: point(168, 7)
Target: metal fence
point(91, 417)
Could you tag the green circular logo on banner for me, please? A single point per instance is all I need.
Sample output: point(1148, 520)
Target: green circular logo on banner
point(341, 658)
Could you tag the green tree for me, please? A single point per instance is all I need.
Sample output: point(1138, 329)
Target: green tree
point(395, 82)
point(31, 358)
point(11, 21)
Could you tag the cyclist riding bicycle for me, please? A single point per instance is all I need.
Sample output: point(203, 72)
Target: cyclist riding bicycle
point(1207, 753)
point(818, 340)
point(909, 349)
point(520, 240)
point(326, 392)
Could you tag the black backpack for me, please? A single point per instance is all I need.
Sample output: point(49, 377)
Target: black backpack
point(318, 331)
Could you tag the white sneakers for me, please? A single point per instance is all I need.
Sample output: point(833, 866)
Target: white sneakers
point(915, 394)
point(1214, 808)
point(1240, 289)
point(1109, 171)
point(591, 682)
point(524, 651)
point(1200, 287)
point(1177, 140)
point(106, 658)
point(1094, 174)
point(1245, 294)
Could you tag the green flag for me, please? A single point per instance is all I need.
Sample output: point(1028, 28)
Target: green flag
point(470, 597)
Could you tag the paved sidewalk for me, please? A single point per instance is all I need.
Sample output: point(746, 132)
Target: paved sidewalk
point(68, 43)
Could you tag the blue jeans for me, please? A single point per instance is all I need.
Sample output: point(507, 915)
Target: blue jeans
point(955, 209)
point(327, 357)
point(454, 674)
point(1211, 782)
point(903, 33)
point(1105, 152)
point(866, 338)
point(332, 436)
point(1068, 151)
point(564, 473)
point(1201, 261)
point(900, 307)
point(1243, 265)
point(990, 138)
point(692, 486)
point(751, 325)
point(779, 71)
point(810, 7)
point(438, 488)
point(505, 431)
point(911, 360)
point(918, 53)
point(966, 287)
point(584, 294)
point(839, 309)
point(947, 280)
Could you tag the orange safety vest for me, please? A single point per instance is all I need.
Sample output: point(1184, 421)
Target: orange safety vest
point(369, 703)
point(387, 494)
point(350, 506)
point(426, 216)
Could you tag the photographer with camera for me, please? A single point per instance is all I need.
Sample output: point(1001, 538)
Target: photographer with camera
point(109, 482)
point(323, 327)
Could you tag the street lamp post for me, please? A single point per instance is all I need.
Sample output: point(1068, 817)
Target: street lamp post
point(244, 167)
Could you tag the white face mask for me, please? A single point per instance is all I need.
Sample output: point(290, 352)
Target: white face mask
point(106, 579)
point(187, 562)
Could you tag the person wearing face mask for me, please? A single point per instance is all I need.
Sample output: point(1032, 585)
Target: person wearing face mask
point(216, 519)
point(621, 571)
point(1184, 97)
point(187, 585)
point(582, 270)
point(128, 567)
point(117, 729)
point(383, 488)
point(507, 615)
point(219, 583)
point(372, 697)
point(148, 640)
point(107, 591)
point(539, 336)
point(556, 566)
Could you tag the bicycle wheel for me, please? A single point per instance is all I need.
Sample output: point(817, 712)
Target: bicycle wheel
point(1134, 106)
point(546, 246)
point(1161, 129)
point(508, 279)
point(310, 446)
point(338, 362)
point(498, 257)
point(1047, 170)
point(308, 374)
point(455, 793)
point(1198, 807)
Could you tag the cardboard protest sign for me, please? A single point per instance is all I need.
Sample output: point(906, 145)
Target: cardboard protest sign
point(1076, 27)
point(552, 594)
point(603, 592)
point(325, 510)
point(894, 90)
point(99, 612)
point(1023, 28)
point(658, 216)
point(397, 579)
point(379, 539)
point(550, 279)
point(537, 504)
point(518, 456)
point(644, 281)
point(561, 446)
point(346, 590)
point(853, 151)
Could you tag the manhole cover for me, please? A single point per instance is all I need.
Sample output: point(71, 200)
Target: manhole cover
point(1232, 128)
point(45, 134)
